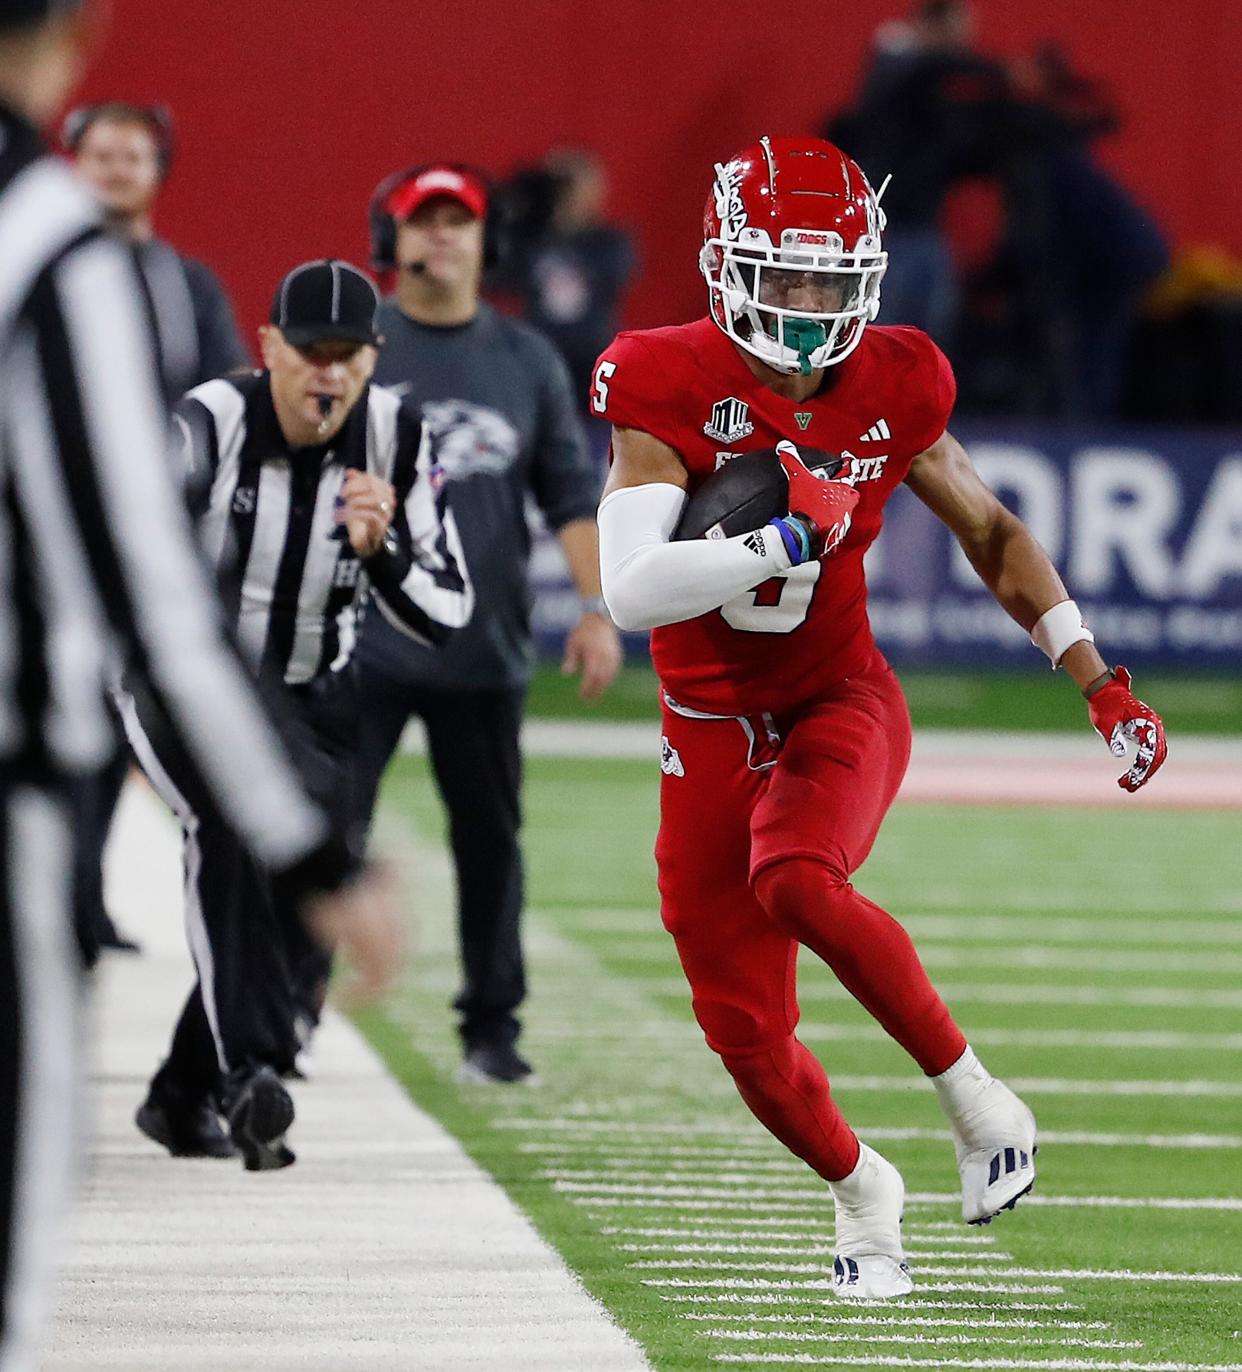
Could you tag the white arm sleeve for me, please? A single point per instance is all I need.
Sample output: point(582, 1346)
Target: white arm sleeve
point(649, 581)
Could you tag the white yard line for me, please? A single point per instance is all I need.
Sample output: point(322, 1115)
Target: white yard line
point(736, 1250)
point(831, 1320)
point(382, 1240)
point(637, 945)
point(980, 1364)
point(1003, 1270)
point(915, 1339)
point(651, 1037)
point(917, 1301)
point(709, 1150)
point(825, 992)
point(1057, 1086)
point(789, 1235)
point(765, 1290)
point(589, 1193)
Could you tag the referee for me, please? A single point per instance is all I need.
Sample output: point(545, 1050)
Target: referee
point(307, 485)
point(96, 560)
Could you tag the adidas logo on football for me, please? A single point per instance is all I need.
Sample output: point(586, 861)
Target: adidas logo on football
point(877, 433)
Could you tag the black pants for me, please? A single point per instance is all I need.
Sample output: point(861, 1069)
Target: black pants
point(473, 739)
point(96, 798)
point(258, 968)
point(41, 982)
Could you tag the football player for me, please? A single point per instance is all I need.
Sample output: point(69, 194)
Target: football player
point(786, 734)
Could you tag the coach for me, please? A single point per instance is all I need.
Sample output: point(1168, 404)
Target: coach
point(502, 422)
point(307, 484)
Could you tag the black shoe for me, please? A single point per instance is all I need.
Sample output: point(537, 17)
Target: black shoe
point(259, 1111)
point(184, 1123)
point(494, 1062)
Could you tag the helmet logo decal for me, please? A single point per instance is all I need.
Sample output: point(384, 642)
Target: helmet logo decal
point(729, 207)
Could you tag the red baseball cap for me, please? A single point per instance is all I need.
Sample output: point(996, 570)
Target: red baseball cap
point(439, 179)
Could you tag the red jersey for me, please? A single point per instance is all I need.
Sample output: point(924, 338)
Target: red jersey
point(882, 406)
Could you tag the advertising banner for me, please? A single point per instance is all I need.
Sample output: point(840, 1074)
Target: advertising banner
point(1144, 524)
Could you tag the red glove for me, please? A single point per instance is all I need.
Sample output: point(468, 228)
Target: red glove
point(1118, 715)
point(822, 505)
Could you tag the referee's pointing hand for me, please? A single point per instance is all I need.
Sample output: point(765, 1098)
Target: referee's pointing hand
point(365, 507)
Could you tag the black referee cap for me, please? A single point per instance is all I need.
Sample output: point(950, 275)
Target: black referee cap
point(326, 300)
point(21, 14)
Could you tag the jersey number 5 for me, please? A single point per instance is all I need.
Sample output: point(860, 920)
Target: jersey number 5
point(775, 606)
point(599, 386)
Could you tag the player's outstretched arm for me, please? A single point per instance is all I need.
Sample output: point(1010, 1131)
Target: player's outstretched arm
point(649, 581)
point(1018, 572)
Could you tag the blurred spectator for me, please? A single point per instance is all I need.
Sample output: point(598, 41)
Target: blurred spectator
point(1104, 251)
point(1044, 328)
point(126, 151)
point(569, 265)
point(917, 118)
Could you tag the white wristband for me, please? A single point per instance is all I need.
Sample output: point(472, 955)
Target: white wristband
point(1058, 629)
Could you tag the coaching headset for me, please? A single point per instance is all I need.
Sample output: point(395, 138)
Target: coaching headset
point(157, 118)
point(384, 225)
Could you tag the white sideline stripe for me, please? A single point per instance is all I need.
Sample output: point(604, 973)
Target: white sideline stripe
point(982, 1364)
point(641, 739)
point(614, 1193)
point(949, 766)
point(1006, 1272)
point(916, 1340)
point(917, 1321)
point(383, 1239)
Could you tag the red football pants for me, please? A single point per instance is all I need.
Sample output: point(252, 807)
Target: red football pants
point(762, 822)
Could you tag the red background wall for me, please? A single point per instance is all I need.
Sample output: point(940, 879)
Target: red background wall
point(289, 111)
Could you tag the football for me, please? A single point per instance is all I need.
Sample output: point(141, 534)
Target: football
point(746, 493)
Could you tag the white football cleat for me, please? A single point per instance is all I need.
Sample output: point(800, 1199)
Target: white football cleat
point(868, 1262)
point(993, 1137)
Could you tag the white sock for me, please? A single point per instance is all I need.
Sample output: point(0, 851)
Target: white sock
point(848, 1188)
point(961, 1085)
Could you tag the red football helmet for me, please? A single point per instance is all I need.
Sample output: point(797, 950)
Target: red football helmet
point(791, 252)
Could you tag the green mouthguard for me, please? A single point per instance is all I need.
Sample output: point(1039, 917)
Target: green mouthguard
point(806, 335)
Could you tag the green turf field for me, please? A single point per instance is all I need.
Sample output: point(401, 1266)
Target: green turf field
point(1037, 699)
point(1094, 957)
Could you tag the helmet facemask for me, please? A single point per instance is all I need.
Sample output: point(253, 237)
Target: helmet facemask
point(798, 307)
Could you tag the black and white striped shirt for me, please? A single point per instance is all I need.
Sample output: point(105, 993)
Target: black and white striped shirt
point(292, 584)
point(97, 557)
